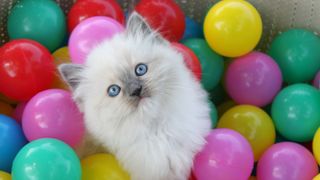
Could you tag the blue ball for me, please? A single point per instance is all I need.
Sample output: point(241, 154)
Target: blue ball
point(193, 29)
point(12, 140)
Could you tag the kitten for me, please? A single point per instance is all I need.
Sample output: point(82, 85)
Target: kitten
point(141, 103)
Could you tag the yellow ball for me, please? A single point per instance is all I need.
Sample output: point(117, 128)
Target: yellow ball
point(4, 176)
point(102, 167)
point(252, 178)
point(5, 109)
point(233, 27)
point(253, 123)
point(317, 177)
point(60, 56)
point(316, 146)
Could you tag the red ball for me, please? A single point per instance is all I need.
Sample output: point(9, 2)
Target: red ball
point(165, 16)
point(84, 9)
point(26, 68)
point(190, 59)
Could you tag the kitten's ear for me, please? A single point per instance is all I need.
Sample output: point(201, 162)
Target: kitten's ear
point(137, 25)
point(71, 74)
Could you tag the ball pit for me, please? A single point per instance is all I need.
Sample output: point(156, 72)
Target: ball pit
point(241, 86)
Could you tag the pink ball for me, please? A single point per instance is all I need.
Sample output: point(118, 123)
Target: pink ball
point(285, 161)
point(90, 33)
point(316, 81)
point(253, 79)
point(53, 114)
point(227, 155)
point(18, 111)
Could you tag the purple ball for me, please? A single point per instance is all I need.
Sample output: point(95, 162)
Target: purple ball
point(316, 81)
point(253, 79)
point(285, 161)
point(227, 155)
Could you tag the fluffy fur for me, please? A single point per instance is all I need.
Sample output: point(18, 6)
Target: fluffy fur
point(155, 136)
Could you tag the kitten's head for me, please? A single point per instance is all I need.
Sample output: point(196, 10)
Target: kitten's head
point(133, 72)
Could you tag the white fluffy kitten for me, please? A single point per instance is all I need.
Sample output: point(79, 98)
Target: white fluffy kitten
point(141, 103)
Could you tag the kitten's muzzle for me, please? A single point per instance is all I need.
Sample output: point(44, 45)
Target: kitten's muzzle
point(135, 88)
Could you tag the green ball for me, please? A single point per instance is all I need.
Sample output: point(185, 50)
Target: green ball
point(211, 63)
point(39, 20)
point(296, 112)
point(46, 159)
point(297, 52)
point(213, 115)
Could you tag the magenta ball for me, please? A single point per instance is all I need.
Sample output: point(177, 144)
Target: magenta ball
point(227, 155)
point(90, 33)
point(316, 81)
point(253, 79)
point(18, 111)
point(53, 114)
point(287, 160)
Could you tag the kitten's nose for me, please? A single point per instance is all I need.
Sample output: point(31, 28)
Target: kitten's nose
point(136, 91)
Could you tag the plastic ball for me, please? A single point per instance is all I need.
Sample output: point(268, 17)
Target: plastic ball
point(190, 59)
point(253, 123)
point(48, 159)
point(211, 63)
point(6, 109)
point(82, 40)
point(4, 176)
point(102, 167)
point(213, 115)
point(297, 53)
point(53, 114)
point(317, 177)
point(12, 140)
point(253, 79)
point(233, 27)
point(193, 29)
point(295, 112)
point(316, 145)
point(316, 80)
point(169, 18)
point(26, 68)
point(84, 9)
point(18, 111)
point(223, 155)
point(60, 56)
point(287, 160)
point(42, 21)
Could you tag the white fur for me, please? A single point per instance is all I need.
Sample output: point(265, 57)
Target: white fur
point(155, 138)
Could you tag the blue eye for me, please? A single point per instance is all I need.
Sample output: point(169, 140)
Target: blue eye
point(114, 90)
point(141, 69)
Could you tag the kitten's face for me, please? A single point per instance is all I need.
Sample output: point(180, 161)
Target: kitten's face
point(128, 74)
